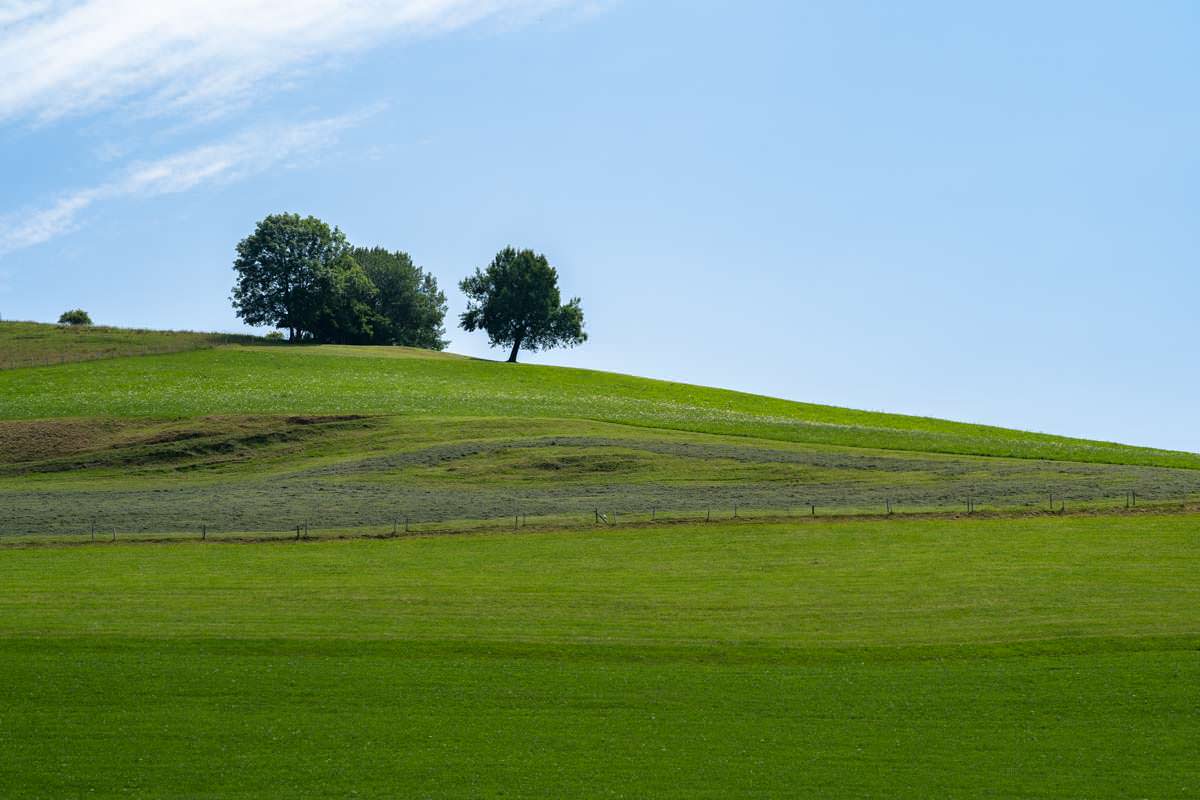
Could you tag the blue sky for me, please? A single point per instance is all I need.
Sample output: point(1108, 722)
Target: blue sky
point(980, 213)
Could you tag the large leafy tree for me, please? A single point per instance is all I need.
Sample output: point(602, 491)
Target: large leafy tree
point(286, 270)
point(516, 301)
point(345, 300)
point(410, 310)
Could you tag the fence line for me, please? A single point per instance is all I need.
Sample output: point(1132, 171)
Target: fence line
point(301, 529)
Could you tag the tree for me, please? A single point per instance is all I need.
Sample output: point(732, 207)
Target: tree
point(285, 270)
point(343, 310)
point(516, 301)
point(409, 309)
point(76, 316)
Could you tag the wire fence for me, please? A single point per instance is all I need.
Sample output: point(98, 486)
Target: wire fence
point(518, 517)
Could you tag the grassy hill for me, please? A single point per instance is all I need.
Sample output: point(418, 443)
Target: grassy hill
point(158, 432)
point(416, 383)
point(661, 655)
point(27, 344)
point(259, 438)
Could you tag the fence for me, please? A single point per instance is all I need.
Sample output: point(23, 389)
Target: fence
point(516, 518)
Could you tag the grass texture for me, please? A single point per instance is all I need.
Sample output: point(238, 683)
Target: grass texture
point(972, 658)
point(27, 344)
point(331, 380)
point(258, 475)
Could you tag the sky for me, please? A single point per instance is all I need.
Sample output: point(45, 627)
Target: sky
point(982, 212)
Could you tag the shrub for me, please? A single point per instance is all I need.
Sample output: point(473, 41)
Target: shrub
point(274, 336)
point(76, 316)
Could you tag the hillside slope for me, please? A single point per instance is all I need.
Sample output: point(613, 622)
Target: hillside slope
point(262, 438)
point(416, 383)
point(31, 344)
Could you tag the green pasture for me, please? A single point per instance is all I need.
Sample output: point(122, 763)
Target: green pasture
point(1014, 652)
point(27, 344)
point(1053, 657)
point(235, 380)
point(263, 475)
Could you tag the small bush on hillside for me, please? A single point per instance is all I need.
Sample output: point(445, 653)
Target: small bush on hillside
point(76, 316)
point(274, 336)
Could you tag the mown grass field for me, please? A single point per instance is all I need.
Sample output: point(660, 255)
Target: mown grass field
point(26, 344)
point(1004, 654)
point(331, 380)
point(972, 658)
point(269, 474)
point(261, 439)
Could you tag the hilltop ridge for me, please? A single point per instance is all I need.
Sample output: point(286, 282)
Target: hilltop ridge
point(245, 375)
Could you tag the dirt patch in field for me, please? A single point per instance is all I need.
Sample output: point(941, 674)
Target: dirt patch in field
point(23, 441)
point(63, 445)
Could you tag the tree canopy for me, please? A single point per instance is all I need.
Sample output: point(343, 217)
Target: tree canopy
point(76, 316)
point(410, 310)
point(516, 301)
point(286, 272)
point(297, 274)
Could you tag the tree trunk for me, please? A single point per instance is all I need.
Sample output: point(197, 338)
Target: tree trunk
point(512, 357)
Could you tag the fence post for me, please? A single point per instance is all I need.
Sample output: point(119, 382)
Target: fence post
point(203, 532)
point(708, 515)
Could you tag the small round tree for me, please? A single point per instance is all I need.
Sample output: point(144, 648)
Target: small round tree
point(516, 301)
point(76, 316)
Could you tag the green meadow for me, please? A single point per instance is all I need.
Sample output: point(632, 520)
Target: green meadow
point(331, 380)
point(29, 344)
point(259, 439)
point(1055, 657)
point(1046, 646)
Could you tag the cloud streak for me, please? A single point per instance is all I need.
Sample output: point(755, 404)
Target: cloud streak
point(61, 58)
point(64, 59)
point(247, 154)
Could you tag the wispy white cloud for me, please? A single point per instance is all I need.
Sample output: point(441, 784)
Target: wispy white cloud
point(14, 11)
point(249, 153)
point(198, 58)
point(66, 57)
